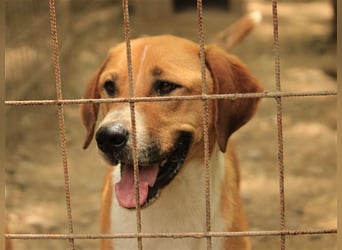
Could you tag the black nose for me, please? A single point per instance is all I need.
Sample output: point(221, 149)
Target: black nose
point(112, 137)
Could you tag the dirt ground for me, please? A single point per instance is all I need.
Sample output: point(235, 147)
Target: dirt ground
point(35, 193)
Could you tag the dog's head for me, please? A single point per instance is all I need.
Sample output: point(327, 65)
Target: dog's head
point(167, 133)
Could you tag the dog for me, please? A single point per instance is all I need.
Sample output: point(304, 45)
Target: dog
point(169, 137)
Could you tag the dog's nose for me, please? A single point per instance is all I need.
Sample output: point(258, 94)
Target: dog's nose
point(112, 137)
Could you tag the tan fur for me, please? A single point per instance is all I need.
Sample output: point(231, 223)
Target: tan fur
point(236, 32)
point(232, 180)
point(8, 242)
point(177, 60)
point(105, 209)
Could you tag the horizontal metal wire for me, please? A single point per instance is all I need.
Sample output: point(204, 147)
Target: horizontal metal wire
point(265, 94)
point(171, 235)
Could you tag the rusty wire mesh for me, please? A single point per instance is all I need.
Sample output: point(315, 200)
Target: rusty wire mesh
point(277, 95)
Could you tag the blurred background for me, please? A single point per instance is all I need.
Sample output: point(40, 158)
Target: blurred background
point(88, 29)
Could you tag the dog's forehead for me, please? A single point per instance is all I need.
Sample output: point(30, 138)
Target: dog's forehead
point(160, 50)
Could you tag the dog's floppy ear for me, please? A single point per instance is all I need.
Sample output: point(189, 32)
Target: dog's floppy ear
point(230, 76)
point(89, 112)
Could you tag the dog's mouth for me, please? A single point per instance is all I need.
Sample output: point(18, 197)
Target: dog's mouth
point(152, 177)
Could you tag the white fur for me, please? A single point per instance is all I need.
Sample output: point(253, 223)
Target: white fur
point(142, 61)
point(256, 16)
point(180, 207)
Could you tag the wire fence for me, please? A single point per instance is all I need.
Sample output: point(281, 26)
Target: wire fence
point(277, 95)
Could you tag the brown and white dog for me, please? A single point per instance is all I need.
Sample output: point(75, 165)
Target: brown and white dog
point(170, 142)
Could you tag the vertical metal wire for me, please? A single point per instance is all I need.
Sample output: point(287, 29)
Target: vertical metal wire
point(276, 51)
point(133, 119)
point(63, 145)
point(205, 123)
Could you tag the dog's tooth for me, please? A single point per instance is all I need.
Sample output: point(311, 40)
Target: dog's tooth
point(163, 163)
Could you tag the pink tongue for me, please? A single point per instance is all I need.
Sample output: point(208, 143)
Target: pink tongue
point(125, 188)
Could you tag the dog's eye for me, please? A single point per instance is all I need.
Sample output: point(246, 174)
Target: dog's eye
point(109, 86)
point(164, 87)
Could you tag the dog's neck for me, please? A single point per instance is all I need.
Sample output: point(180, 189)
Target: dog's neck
point(180, 206)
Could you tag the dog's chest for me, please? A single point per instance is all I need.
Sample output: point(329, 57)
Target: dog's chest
point(180, 208)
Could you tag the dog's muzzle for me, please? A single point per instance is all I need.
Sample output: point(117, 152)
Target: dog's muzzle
point(156, 168)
